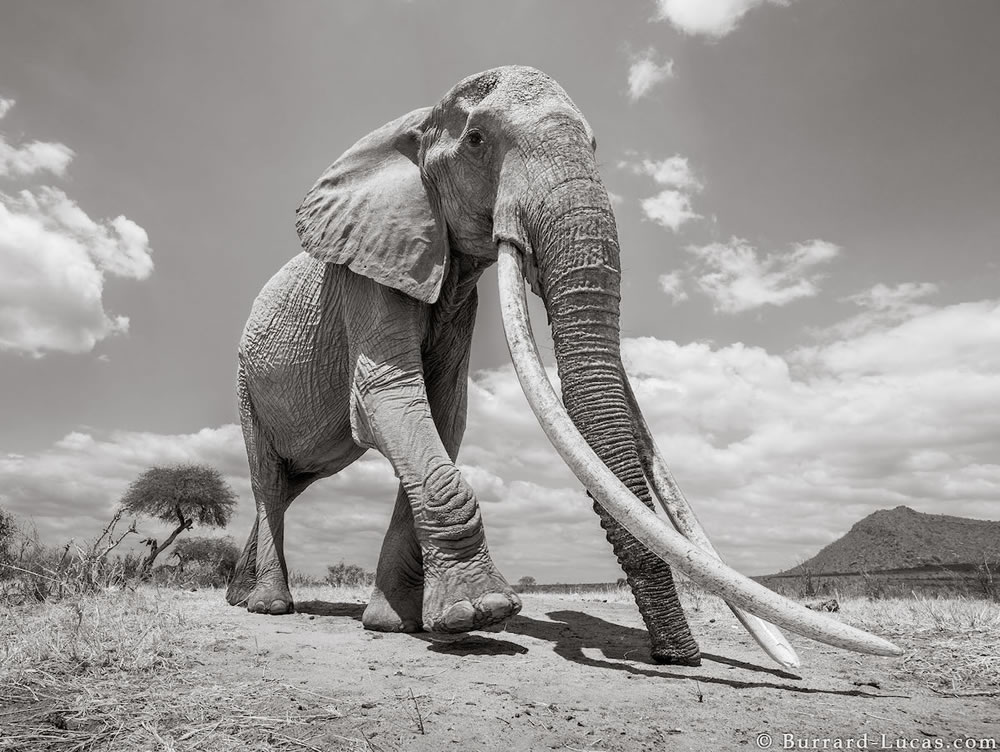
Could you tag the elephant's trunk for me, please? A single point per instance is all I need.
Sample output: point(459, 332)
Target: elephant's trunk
point(576, 247)
point(699, 565)
point(570, 252)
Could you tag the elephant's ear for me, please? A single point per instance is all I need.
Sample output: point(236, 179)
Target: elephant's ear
point(370, 211)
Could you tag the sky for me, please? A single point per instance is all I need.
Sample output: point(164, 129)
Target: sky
point(807, 198)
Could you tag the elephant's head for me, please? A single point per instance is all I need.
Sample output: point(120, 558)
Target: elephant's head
point(504, 165)
point(500, 158)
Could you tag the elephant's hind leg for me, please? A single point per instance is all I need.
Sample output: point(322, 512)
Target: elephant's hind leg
point(245, 575)
point(261, 579)
point(270, 593)
point(396, 604)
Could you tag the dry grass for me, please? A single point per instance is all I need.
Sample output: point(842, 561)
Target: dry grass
point(909, 616)
point(341, 594)
point(950, 643)
point(118, 671)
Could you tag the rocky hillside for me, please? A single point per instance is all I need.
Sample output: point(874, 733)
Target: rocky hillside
point(901, 538)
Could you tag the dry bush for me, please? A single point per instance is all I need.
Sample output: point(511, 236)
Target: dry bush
point(875, 586)
point(988, 579)
point(188, 577)
point(298, 579)
point(8, 533)
point(202, 562)
point(338, 576)
point(34, 571)
point(349, 575)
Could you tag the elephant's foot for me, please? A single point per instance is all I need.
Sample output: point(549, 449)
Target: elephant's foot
point(673, 656)
point(466, 595)
point(671, 641)
point(398, 611)
point(270, 599)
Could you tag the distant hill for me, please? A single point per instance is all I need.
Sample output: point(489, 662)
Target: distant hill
point(900, 538)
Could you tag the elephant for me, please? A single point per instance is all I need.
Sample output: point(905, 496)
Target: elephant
point(362, 341)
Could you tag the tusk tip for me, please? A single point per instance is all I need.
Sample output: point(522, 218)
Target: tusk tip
point(790, 662)
point(783, 655)
point(875, 645)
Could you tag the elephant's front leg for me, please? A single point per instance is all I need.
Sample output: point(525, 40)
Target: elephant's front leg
point(463, 590)
point(396, 603)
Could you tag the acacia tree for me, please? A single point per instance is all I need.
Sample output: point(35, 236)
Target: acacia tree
point(184, 494)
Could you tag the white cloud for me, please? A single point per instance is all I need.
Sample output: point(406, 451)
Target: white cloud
point(896, 299)
point(780, 453)
point(712, 18)
point(644, 73)
point(53, 264)
point(669, 209)
point(883, 305)
point(737, 278)
point(32, 157)
point(672, 284)
point(672, 172)
point(37, 156)
point(54, 260)
point(927, 339)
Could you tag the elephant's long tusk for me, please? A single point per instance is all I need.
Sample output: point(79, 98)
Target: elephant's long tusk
point(672, 499)
point(643, 523)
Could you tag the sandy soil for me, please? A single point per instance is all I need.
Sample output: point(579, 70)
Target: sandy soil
point(575, 674)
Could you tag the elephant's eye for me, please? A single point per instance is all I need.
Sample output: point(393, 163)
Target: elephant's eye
point(474, 138)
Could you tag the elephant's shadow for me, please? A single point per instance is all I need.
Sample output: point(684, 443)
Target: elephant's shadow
point(326, 608)
point(571, 633)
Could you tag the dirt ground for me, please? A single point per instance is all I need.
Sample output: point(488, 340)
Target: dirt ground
point(572, 673)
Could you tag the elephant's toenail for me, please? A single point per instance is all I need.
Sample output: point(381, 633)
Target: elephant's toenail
point(460, 617)
point(497, 605)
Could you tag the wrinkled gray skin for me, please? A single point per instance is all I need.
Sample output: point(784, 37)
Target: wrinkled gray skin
point(363, 342)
